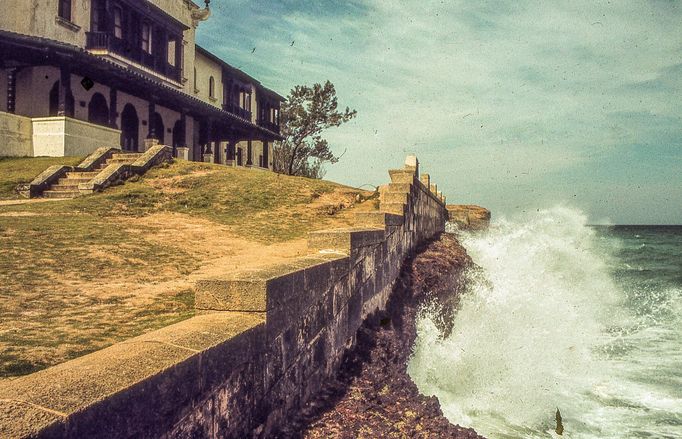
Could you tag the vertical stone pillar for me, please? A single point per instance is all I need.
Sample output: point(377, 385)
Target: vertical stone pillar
point(434, 189)
point(65, 96)
point(152, 138)
point(113, 107)
point(412, 163)
point(151, 134)
point(249, 154)
point(266, 154)
point(229, 152)
point(182, 142)
point(182, 152)
point(12, 90)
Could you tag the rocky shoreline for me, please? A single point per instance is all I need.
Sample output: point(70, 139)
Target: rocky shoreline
point(372, 395)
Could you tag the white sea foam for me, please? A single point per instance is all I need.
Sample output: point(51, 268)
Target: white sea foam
point(547, 329)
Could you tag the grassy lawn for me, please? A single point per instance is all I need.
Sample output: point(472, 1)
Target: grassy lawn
point(14, 171)
point(78, 275)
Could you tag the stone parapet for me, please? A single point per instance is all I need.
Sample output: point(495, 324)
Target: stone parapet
point(263, 343)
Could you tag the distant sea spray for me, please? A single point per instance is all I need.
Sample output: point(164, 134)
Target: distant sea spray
point(546, 324)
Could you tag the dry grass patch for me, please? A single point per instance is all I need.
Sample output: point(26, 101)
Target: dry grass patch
point(78, 275)
point(18, 170)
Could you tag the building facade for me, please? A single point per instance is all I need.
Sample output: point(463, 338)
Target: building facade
point(79, 73)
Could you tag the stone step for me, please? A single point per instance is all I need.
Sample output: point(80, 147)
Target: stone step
point(64, 187)
point(75, 181)
point(395, 197)
point(117, 161)
point(60, 194)
point(394, 208)
point(127, 155)
point(88, 175)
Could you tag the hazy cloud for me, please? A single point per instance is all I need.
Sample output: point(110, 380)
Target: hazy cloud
point(504, 102)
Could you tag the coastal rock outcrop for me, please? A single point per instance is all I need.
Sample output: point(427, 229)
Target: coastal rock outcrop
point(469, 216)
point(373, 396)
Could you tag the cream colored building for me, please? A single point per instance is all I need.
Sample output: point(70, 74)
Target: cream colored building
point(80, 74)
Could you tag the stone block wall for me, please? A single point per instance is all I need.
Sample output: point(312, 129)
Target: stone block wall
point(16, 135)
point(263, 343)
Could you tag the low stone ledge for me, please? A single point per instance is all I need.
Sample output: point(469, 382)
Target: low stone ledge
point(264, 289)
point(396, 197)
point(402, 175)
point(400, 187)
point(96, 158)
point(109, 176)
point(394, 208)
point(119, 172)
point(344, 240)
point(155, 155)
point(118, 391)
point(227, 373)
point(376, 218)
point(47, 178)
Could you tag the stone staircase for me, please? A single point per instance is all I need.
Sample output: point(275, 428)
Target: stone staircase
point(67, 187)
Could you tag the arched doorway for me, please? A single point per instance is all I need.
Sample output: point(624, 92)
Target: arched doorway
point(54, 100)
point(178, 136)
point(129, 128)
point(159, 129)
point(98, 111)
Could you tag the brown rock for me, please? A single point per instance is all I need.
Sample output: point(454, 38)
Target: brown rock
point(469, 216)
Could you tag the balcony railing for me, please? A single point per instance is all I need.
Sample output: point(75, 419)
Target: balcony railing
point(107, 41)
point(237, 110)
point(269, 126)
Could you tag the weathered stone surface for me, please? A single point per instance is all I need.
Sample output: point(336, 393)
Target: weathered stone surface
point(469, 216)
point(263, 342)
point(138, 388)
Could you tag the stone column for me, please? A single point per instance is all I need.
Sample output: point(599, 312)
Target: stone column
point(11, 90)
point(65, 96)
point(152, 138)
point(113, 107)
point(229, 153)
point(182, 152)
point(182, 141)
point(249, 154)
point(412, 163)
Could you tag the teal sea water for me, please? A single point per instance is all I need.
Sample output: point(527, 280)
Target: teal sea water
point(586, 319)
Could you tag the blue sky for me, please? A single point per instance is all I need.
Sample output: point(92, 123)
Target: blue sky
point(514, 105)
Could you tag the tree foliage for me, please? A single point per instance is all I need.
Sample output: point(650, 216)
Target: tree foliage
point(307, 112)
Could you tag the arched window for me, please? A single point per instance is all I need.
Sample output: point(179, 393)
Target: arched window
point(211, 87)
point(98, 111)
point(159, 128)
point(129, 128)
point(54, 101)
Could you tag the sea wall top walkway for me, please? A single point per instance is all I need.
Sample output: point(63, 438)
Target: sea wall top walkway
point(263, 342)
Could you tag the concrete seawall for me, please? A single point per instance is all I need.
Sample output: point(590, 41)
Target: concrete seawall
point(262, 344)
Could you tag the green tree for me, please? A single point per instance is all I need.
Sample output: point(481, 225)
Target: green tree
point(307, 112)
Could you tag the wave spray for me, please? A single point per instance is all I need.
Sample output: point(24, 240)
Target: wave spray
point(545, 327)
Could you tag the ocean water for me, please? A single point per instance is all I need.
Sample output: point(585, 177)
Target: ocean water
point(587, 320)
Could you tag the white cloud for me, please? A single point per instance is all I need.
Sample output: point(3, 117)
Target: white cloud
point(483, 89)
